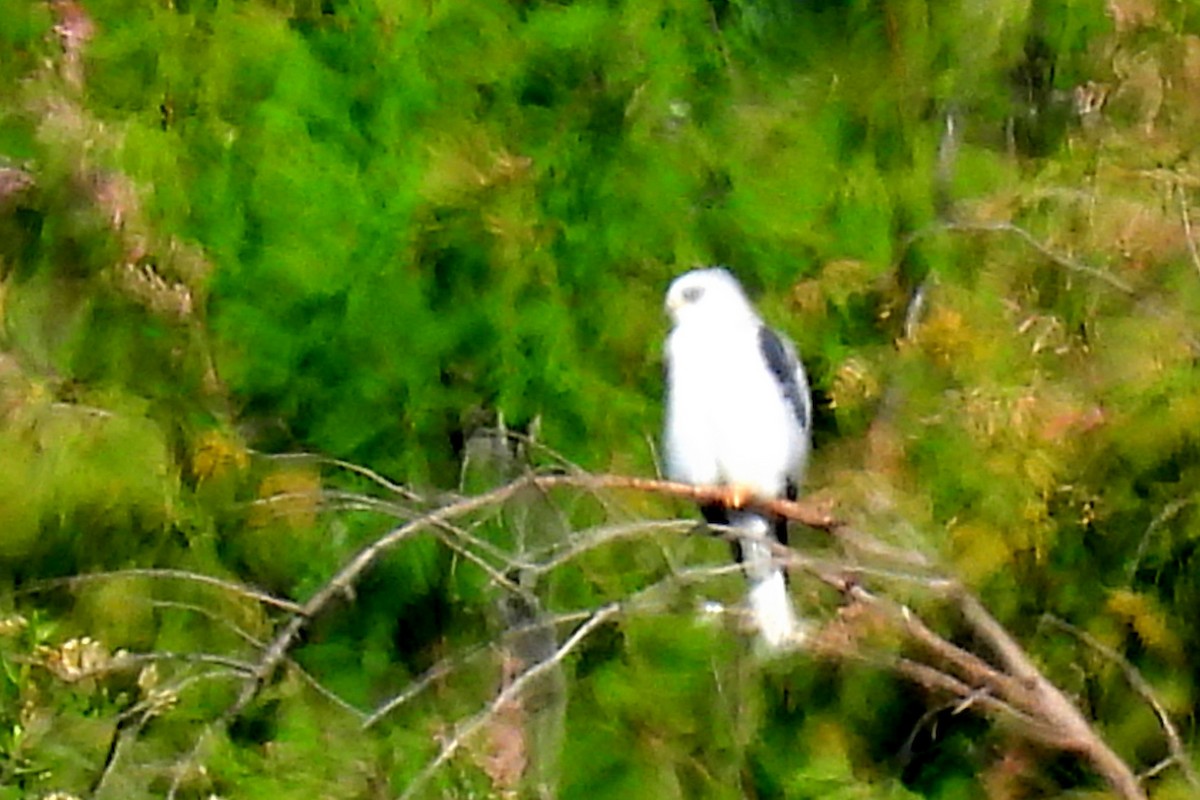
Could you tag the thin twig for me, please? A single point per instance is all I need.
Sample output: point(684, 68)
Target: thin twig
point(1187, 227)
point(372, 475)
point(129, 723)
point(1029, 239)
point(551, 558)
point(471, 539)
point(326, 692)
point(438, 671)
point(212, 616)
point(1168, 513)
point(1142, 687)
point(257, 643)
point(130, 660)
point(233, 587)
point(358, 469)
point(510, 693)
point(447, 537)
point(1077, 734)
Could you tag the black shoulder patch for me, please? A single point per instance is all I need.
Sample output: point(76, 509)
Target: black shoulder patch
point(783, 365)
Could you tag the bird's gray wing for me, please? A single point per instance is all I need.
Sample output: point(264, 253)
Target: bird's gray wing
point(781, 359)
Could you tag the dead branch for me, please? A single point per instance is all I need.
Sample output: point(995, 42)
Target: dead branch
point(1169, 512)
point(1187, 227)
point(1028, 238)
point(1143, 688)
point(1018, 693)
point(1076, 733)
point(131, 721)
point(510, 693)
point(1012, 689)
point(240, 589)
point(549, 559)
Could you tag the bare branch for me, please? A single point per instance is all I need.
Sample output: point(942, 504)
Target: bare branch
point(372, 475)
point(552, 558)
point(1168, 513)
point(233, 587)
point(211, 615)
point(358, 469)
point(1029, 239)
point(130, 660)
point(937, 681)
point(1077, 734)
point(438, 671)
point(448, 538)
point(1143, 688)
point(1012, 690)
point(974, 669)
point(510, 693)
point(131, 722)
point(1187, 227)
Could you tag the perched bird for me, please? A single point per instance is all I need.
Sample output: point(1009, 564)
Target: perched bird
point(738, 416)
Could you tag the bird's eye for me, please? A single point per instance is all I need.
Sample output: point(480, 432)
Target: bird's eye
point(693, 293)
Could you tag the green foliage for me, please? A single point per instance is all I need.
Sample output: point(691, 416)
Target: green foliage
point(367, 230)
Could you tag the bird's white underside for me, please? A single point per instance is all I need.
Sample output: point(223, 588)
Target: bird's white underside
point(730, 423)
point(727, 420)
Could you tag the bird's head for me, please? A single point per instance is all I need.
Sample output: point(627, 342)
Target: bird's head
point(707, 294)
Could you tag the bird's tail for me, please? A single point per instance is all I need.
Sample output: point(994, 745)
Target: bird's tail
point(770, 604)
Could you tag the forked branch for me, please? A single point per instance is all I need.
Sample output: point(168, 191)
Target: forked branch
point(1005, 683)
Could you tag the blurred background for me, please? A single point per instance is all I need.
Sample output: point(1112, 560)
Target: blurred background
point(244, 245)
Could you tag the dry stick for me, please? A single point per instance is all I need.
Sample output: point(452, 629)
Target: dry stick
point(1142, 687)
point(438, 671)
point(447, 665)
point(1059, 722)
point(258, 644)
point(1077, 734)
point(1168, 513)
point(145, 711)
point(1158, 768)
point(807, 513)
point(211, 616)
point(970, 666)
point(482, 544)
point(127, 660)
point(510, 693)
point(450, 663)
point(497, 577)
point(338, 501)
point(1024, 694)
point(234, 587)
point(937, 681)
point(374, 476)
point(1187, 227)
point(588, 540)
point(369, 474)
point(1029, 239)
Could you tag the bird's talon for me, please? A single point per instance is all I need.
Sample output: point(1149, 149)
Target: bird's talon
point(739, 496)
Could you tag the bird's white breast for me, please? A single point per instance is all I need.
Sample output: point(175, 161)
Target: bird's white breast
point(727, 420)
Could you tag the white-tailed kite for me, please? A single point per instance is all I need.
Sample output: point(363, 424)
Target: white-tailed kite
point(738, 415)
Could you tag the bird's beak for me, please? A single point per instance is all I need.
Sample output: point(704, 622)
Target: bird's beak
point(674, 301)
